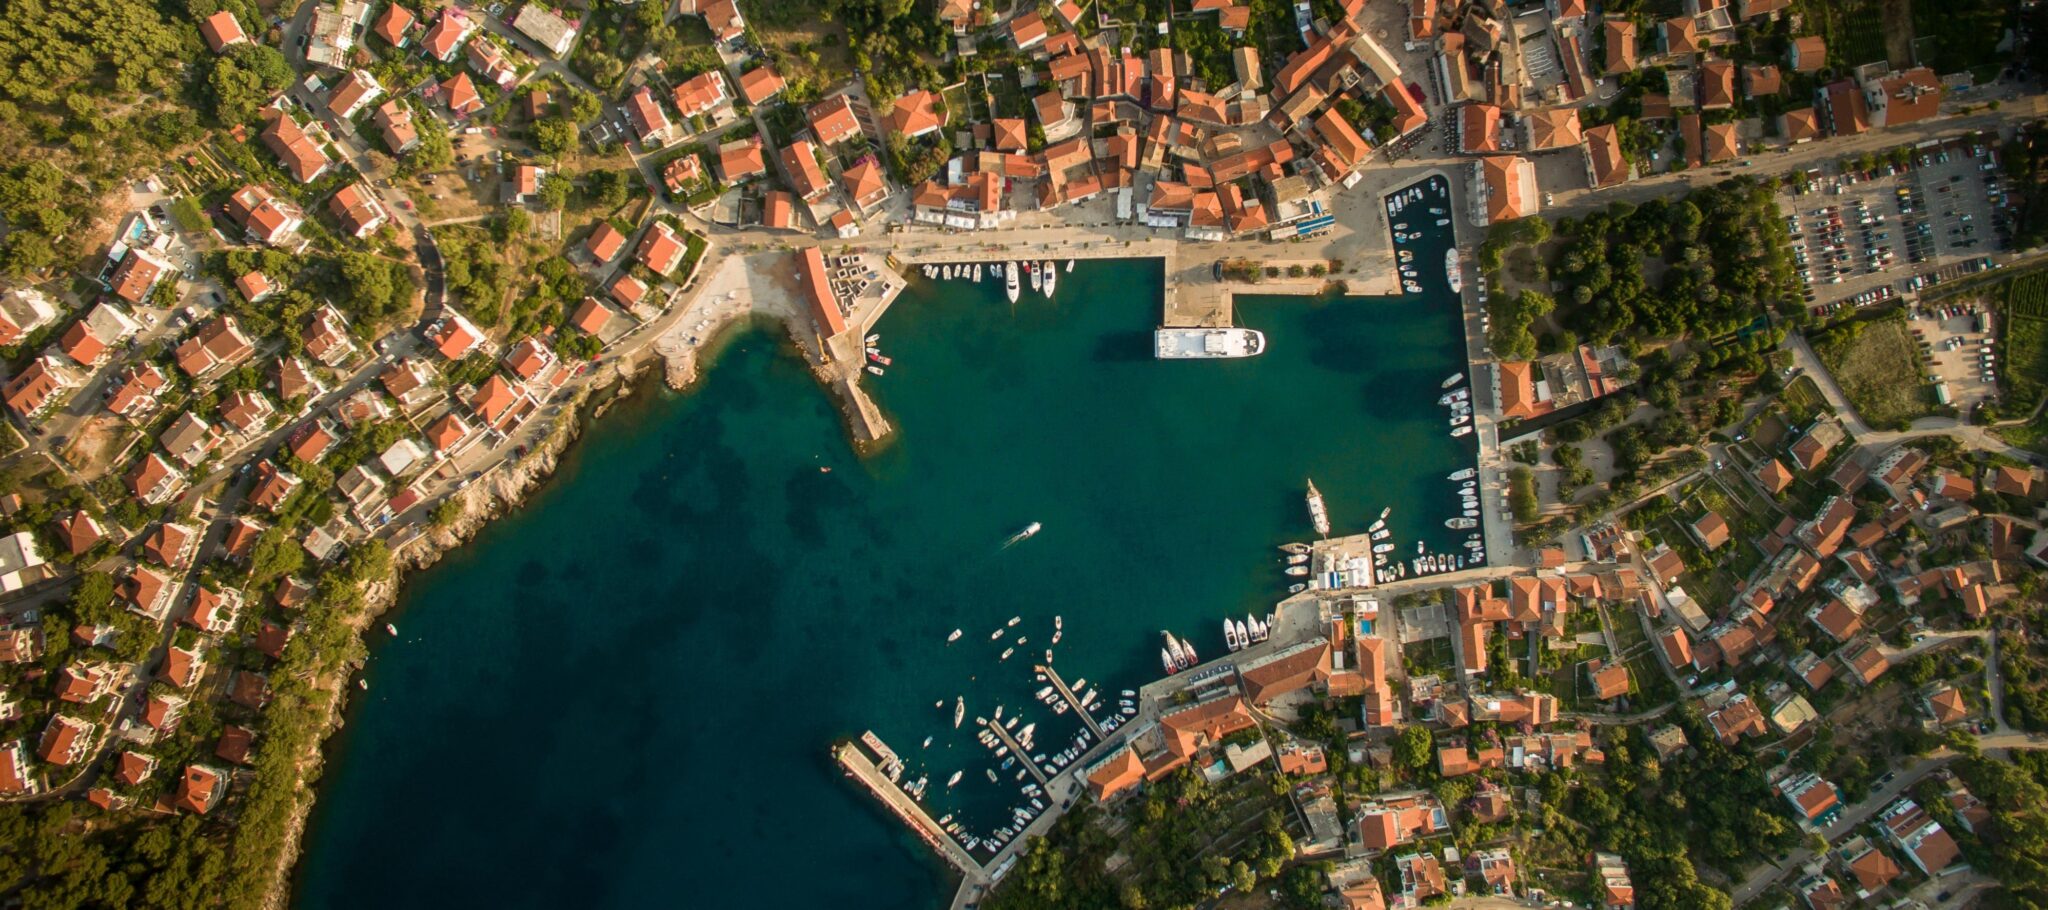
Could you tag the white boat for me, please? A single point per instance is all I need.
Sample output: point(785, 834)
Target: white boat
point(1206, 344)
point(1010, 280)
point(1407, 256)
point(928, 272)
point(1070, 265)
point(992, 778)
point(1383, 548)
point(927, 743)
point(1297, 571)
point(1051, 277)
point(1166, 660)
point(1014, 620)
point(1006, 653)
point(1460, 523)
point(1297, 588)
point(1461, 431)
point(1173, 645)
point(1379, 524)
point(953, 637)
point(1230, 636)
point(874, 369)
point(1463, 474)
point(1297, 559)
point(1318, 514)
point(875, 338)
point(1128, 693)
point(996, 634)
point(1243, 634)
point(1460, 420)
point(1192, 659)
point(1037, 280)
point(1010, 724)
point(959, 711)
point(1025, 733)
point(1454, 380)
point(977, 271)
point(1029, 531)
point(391, 630)
point(1443, 222)
point(1382, 534)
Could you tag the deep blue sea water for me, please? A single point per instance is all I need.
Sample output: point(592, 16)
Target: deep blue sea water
point(622, 695)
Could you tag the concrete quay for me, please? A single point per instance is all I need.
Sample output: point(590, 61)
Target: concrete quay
point(862, 768)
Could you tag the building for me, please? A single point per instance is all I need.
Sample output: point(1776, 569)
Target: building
point(660, 249)
point(222, 31)
point(356, 89)
point(1909, 827)
point(702, 95)
point(819, 293)
point(546, 28)
point(915, 114)
point(263, 216)
point(358, 209)
point(218, 346)
point(721, 16)
point(1814, 801)
point(138, 274)
point(296, 150)
point(1503, 189)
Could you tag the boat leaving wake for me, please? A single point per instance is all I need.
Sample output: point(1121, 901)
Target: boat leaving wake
point(1021, 536)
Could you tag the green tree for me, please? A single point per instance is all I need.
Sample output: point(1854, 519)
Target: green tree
point(554, 137)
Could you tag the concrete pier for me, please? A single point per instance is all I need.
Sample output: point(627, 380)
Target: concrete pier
point(1073, 701)
point(1017, 749)
point(862, 768)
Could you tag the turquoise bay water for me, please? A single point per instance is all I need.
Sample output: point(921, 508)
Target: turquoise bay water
point(622, 695)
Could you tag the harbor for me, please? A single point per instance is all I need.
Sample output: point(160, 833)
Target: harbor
point(739, 513)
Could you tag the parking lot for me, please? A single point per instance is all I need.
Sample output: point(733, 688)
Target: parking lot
point(1957, 341)
point(1865, 238)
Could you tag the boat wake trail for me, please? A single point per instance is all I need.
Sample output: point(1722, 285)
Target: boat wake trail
point(1022, 536)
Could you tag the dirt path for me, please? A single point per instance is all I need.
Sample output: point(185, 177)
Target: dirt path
point(1898, 32)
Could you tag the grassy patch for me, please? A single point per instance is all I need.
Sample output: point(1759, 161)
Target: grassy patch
point(1960, 35)
point(1522, 494)
point(1877, 364)
point(1854, 29)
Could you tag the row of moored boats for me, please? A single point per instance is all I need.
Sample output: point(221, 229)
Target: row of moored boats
point(1042, 275)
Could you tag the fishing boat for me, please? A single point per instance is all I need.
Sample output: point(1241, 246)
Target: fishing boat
point(1296, 559)
point(1010, 280)
point(878, 358)
point(1297, 571)
point(1294, 548)
point(1051, 277)
point(1464, 474)
point(1454, 380)
point(1461, 431)
point(1318, 513)
point(1460, 523)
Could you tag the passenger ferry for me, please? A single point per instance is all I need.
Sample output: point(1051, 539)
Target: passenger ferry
point(1206, 344)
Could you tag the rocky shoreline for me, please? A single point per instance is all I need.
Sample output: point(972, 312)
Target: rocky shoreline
point(681, 366)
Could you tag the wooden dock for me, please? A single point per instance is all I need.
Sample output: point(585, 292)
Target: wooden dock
point(1073, 701)
point(1017, 749)
point(862, 768)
